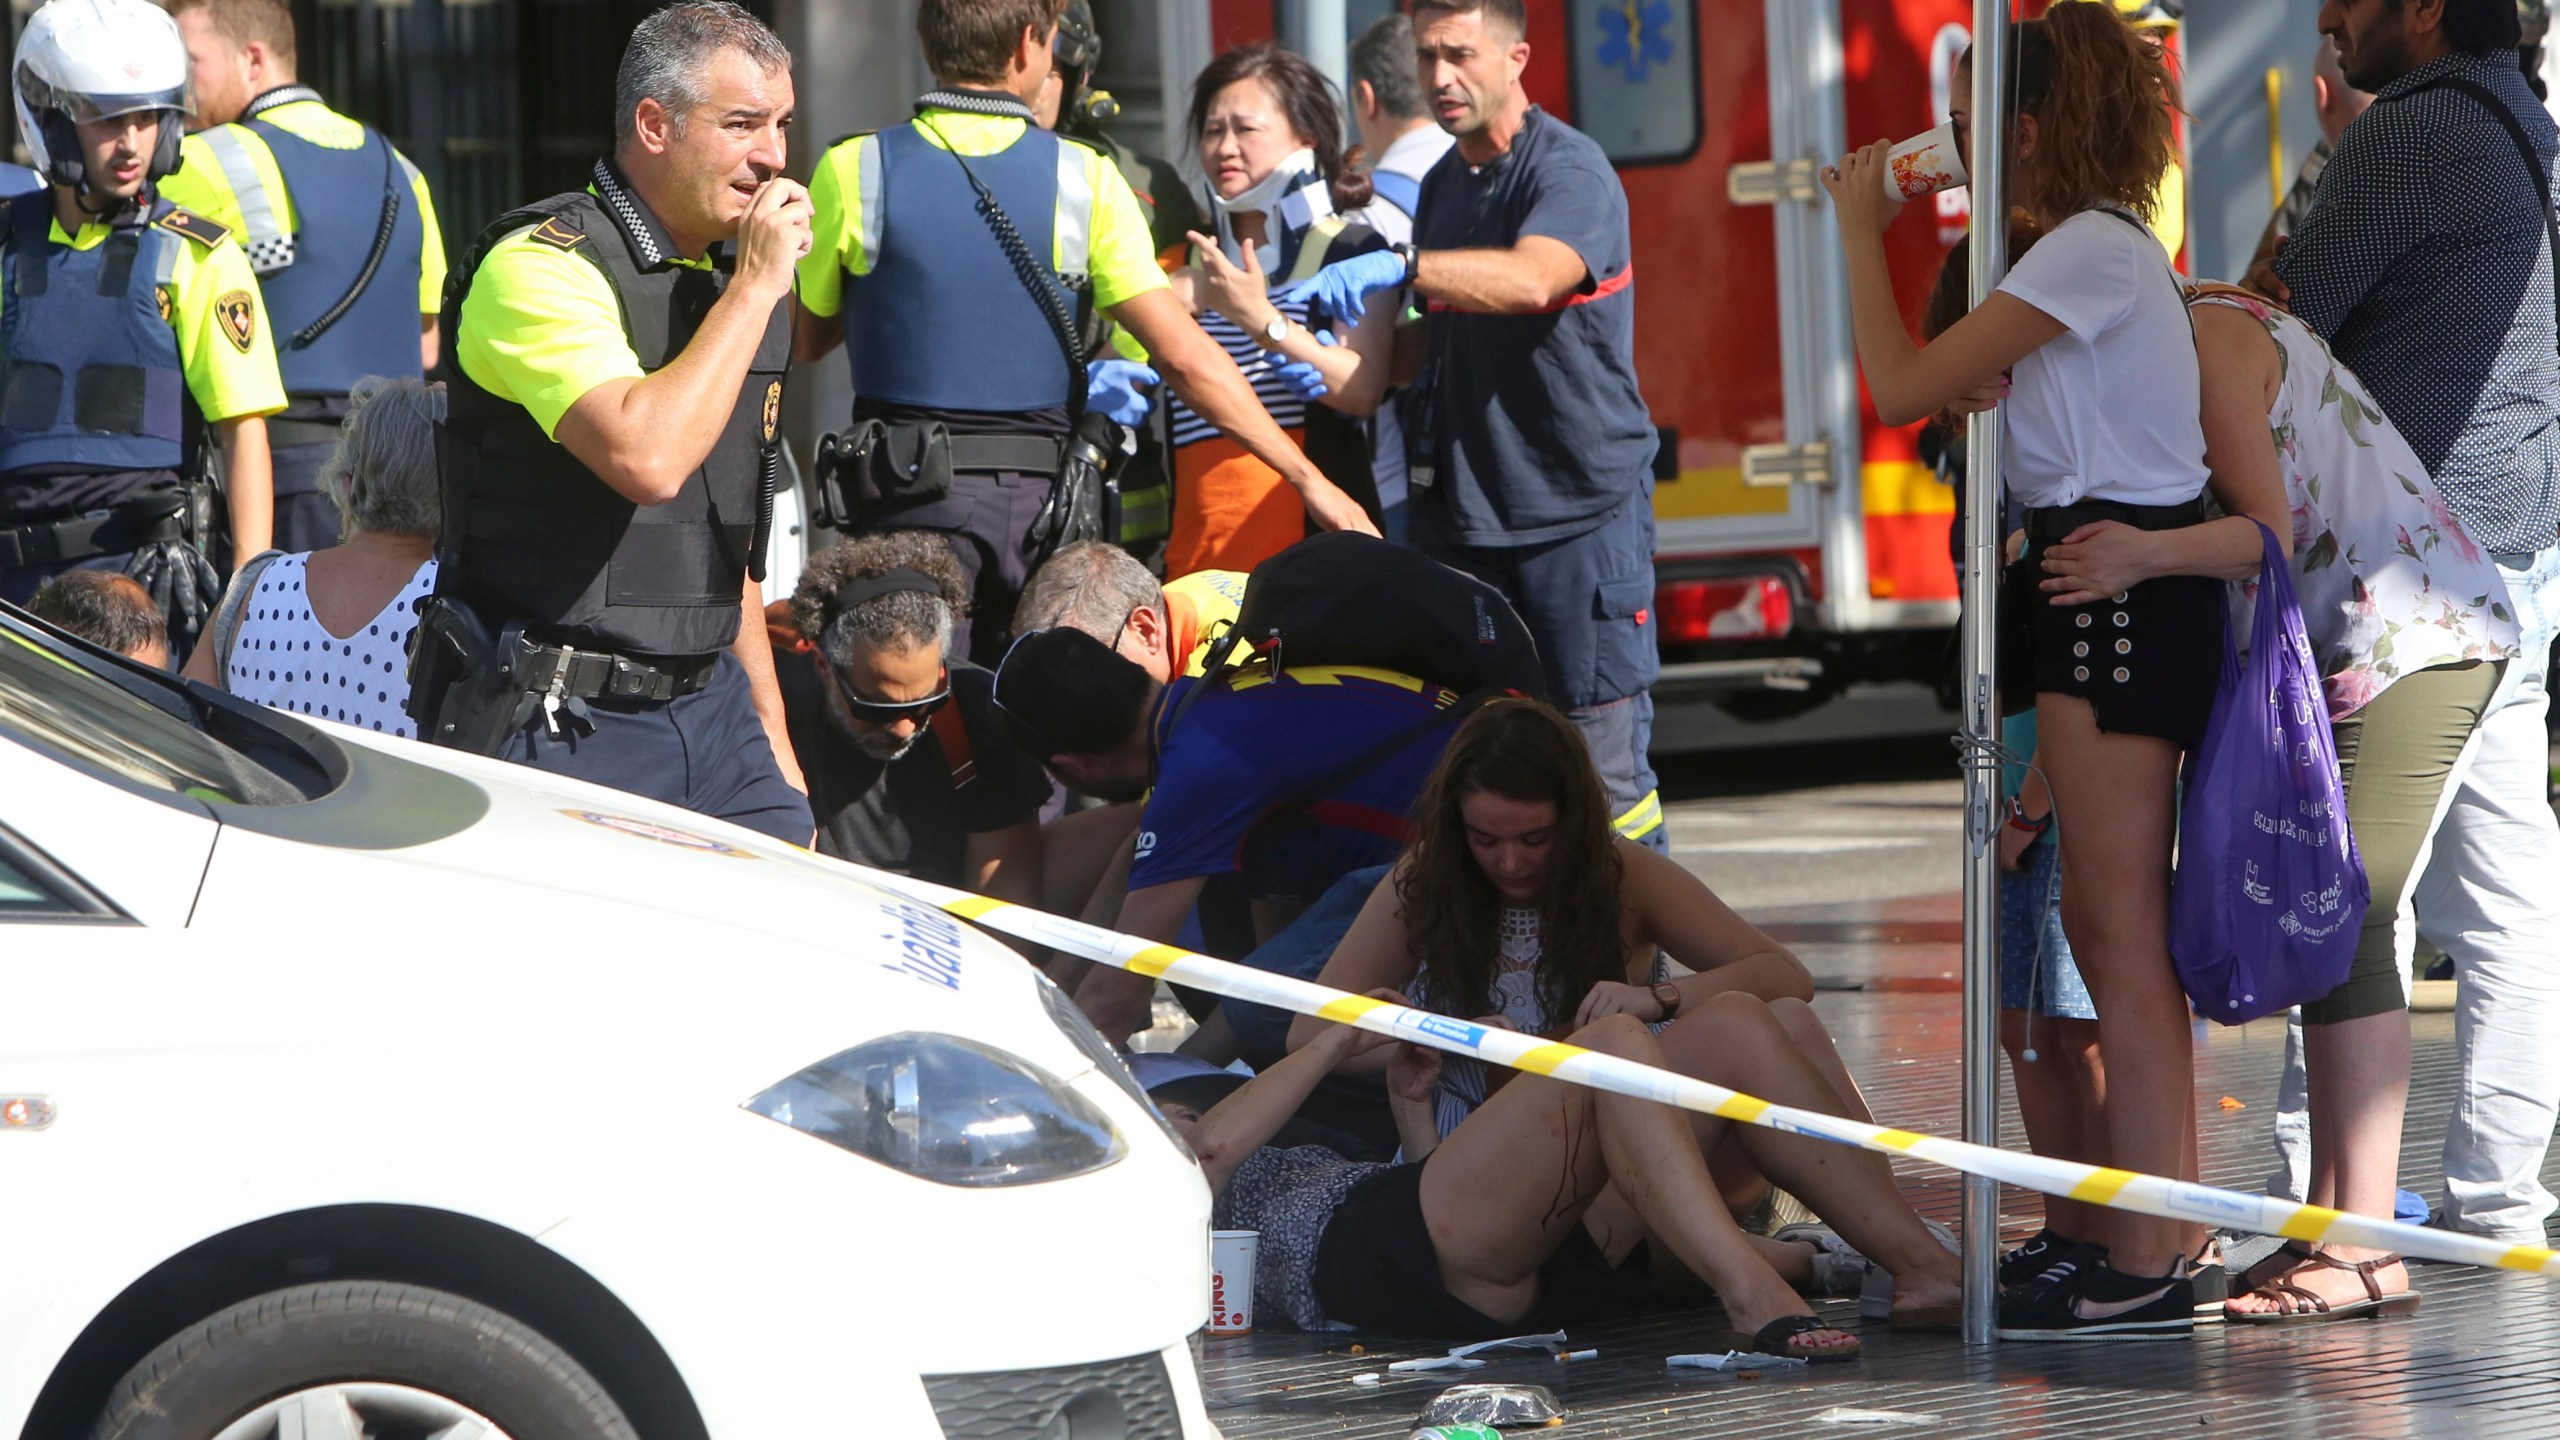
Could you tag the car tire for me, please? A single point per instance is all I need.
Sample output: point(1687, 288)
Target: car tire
point(363, 1339)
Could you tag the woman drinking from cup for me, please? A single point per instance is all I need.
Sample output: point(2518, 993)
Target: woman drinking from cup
point(2102, 425)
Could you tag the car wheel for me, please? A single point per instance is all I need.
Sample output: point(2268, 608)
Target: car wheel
point(360, 1360)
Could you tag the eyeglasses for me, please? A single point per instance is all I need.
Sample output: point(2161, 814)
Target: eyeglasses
point(887, 712)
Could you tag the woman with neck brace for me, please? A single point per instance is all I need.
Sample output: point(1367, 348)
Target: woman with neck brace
point(1269, 133)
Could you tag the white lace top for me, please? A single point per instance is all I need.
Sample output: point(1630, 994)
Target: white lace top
point(1515, 997)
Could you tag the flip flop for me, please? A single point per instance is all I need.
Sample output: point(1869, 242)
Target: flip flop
point(2375, 1305)
point(1774, 1337)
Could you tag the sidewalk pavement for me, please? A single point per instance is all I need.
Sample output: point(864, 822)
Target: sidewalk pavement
point(2480, 1361)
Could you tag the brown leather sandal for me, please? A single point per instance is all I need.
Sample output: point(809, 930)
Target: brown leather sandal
point(2314, 1310)
point(2283, 1260)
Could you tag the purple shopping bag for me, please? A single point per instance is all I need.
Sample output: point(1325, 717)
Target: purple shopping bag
point(2270, 894)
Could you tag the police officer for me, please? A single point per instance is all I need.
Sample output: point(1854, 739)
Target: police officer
point(336, 223)
point(959, 317)
point(609, 452)
point(128, 324)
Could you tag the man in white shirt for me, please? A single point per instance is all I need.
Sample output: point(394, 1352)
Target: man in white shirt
point(1402, 143)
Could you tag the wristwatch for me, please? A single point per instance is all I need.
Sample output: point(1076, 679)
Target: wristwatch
point(1667, 995)
point(1277, 332)
point(1412, 258)
point(2018, 819)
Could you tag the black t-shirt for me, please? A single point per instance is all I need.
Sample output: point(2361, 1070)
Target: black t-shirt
point(904, 815)
point(1539, 431)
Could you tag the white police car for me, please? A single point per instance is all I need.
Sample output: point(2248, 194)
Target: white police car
point(350, 1087)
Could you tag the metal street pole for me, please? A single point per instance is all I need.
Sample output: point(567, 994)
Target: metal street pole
point(1988, 256)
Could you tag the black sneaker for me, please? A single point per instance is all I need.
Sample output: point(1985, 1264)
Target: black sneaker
point(2031, 1259)
point(2094, 1301)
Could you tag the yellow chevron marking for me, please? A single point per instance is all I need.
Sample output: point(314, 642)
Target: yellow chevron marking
point(2101, 1187)
point(1545, 1059)
point(2308, 1223)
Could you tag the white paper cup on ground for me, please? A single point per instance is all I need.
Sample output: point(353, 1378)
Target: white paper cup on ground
point(1924, 165)
point(1231, 1256)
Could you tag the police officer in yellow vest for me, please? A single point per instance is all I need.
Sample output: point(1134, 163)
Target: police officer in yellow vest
point(610, 448)
point(335, 221)
point(952, 256)
point(128, 325)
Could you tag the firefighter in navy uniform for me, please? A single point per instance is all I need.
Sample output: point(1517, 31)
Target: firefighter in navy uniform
point(610, 449)
point(959, 314)
point(336, 223)
point(128, 325)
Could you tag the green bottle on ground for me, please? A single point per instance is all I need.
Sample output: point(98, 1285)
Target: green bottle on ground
point(1468, 1431)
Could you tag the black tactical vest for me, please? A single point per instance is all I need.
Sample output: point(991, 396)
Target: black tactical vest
point(532, 535)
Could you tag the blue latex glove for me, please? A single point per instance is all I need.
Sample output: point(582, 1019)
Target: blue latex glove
point(1304, 380)
point(1122, 390)
point(1342, 289)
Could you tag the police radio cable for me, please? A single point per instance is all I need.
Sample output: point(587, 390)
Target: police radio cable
point(1036, 278)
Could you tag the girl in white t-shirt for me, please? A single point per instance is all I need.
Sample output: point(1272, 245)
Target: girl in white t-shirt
point(2088, 342)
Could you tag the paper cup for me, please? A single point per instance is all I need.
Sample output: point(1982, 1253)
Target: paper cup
point(1231, 1255)
point(1924, 165)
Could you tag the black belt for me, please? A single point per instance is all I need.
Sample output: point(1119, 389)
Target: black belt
point(99, 532)
point(2047, 524)
point(990, 454)
point(569, 673)
point(281, 433)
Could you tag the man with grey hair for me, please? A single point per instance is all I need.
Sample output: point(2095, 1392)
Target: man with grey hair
point(1102, 590)
point(609, 462)
point(908, 769)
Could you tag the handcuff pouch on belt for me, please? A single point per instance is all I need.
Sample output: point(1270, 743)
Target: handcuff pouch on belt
point(470, 688)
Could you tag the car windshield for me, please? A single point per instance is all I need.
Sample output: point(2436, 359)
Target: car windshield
point(49, 697)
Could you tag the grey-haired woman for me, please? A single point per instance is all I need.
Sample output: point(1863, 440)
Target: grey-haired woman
point(326, 632)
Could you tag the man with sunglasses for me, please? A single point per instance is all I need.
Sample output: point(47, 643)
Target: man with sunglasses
point(907, 769)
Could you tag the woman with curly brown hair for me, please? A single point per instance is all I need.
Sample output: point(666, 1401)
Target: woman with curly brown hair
point(1516, 904)
point(2102, 432)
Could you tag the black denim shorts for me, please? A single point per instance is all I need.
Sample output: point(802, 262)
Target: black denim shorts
point(2147, 660)
point(1376, 1268)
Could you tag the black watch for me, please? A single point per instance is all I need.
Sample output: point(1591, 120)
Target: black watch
point(1412, 261)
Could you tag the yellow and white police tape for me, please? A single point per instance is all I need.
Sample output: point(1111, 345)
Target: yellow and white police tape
point(2095, 1185)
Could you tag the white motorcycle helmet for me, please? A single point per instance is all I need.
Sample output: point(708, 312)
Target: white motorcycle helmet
point(82, 60)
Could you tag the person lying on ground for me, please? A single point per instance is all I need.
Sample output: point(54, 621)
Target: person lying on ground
point(1533, 1213)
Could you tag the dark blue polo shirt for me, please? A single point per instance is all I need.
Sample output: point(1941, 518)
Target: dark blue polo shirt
point(1539, 432)
point(1251, 781)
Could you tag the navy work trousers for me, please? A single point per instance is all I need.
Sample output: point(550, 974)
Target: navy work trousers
point(987, 519)
point(705, 751)
point(1588, 600)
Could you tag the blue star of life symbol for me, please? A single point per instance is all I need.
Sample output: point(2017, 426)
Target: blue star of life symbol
point(1635, 35)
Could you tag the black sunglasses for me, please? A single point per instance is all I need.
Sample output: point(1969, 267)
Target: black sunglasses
point(888, 712)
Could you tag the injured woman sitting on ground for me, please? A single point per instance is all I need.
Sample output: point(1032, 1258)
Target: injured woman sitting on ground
point(1516, 906)
point(1533, 1212)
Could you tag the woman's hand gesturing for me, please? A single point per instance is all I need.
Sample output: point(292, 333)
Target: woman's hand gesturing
point(1611, 998)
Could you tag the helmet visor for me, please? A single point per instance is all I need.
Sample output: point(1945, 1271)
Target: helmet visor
point(84, 106)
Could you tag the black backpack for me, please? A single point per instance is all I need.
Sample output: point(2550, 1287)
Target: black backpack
point(1343, 598)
